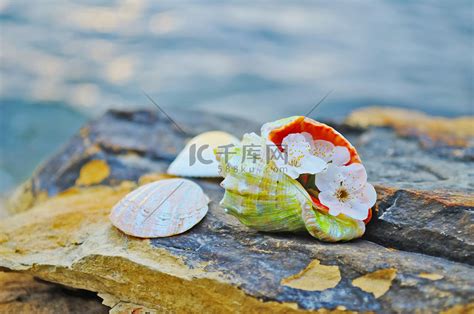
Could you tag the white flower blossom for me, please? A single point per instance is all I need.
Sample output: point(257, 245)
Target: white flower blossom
point(327, 151)
point(300, 159)
point(337, 155)
point(344, 190)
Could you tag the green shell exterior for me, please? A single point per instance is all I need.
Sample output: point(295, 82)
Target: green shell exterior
point(264, 198)
point(328, 228)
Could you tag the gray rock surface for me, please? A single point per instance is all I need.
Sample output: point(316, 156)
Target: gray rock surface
point(416, 255)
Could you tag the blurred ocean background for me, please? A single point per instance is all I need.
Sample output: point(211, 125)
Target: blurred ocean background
point(63, 62)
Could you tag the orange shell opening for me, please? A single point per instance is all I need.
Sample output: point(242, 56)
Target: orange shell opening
point(319, 131)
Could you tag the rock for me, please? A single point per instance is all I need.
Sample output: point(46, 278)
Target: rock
point(21, 293)
point(119, 307)
point(435, 223)
point(449, 137)
point(61, 231)
point(131, 143)
point(218, 264)
point(425, 196)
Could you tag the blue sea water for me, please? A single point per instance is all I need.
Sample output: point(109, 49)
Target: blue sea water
point(62, 62)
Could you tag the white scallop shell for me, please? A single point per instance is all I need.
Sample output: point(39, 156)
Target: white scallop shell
point(187, 164)
point(160, 209)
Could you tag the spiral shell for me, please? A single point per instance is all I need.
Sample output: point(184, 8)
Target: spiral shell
point(264, 198)
point(276, 131)
point(160, 209)
point(331, 229)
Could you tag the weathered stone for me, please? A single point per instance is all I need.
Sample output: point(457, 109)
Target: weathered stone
point(220, 265)
point(436, 189)
point(119, 307)
point(131, 143)
point(21, 293)
point(435, 223)
point(425, 200)
point(449, 137)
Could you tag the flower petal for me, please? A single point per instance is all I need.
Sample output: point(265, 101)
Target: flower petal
point(329, 200)
point(341, 156)
point(295, 138)
point(280, 163)
point(289, 170)
point(351, 208)
point(295, 146)
point(308, 137)
point(323, 149)
point(355, 176)
point(335, 210)
point(312, 165)
point(355, 210)
point(330, 179)
point(366, 196)
point(292, 172)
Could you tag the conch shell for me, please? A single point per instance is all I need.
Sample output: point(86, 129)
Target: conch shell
point(266, 199)
point(197, 158)
point(160, 209)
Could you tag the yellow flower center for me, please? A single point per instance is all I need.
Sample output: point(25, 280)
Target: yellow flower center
point(296, 161)
point(342, 194)
point(318, 152)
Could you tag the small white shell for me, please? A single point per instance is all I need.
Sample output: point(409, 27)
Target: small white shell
point(187, 164)
point(160, 209)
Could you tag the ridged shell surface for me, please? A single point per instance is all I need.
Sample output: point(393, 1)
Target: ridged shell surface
point(263, 197)
point(268, 200)
point(160, 209)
